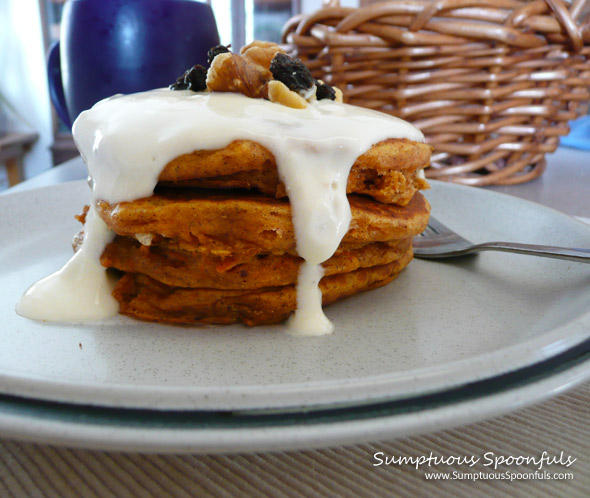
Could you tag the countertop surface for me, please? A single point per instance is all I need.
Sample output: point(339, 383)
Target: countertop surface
point(556, 426)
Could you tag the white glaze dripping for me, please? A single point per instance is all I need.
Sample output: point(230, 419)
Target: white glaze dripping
point(82, 289)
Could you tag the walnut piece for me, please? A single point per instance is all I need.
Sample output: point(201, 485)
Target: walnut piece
point(261, 53)
point(259, 44)
point(280, 94)
point(230, 72)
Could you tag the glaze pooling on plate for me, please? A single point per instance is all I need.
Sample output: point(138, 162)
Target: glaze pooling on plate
point(83, 286)
point(127, 141)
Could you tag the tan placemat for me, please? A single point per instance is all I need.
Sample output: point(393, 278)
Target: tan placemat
point(558, 425)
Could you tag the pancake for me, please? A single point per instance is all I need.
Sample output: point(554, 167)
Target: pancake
point(172, 266)
point(144, 298)
point(247, 224)
point(388, 172)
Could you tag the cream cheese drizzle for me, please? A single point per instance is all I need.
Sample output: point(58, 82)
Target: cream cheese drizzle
point(126, 142)
point(82, 289)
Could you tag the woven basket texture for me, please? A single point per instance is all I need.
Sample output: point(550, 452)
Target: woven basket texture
point(492, 84)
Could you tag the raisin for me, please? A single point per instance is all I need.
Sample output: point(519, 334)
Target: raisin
point(292, 72)
point(219, 49)
point(324, 91)
point(194, 79)
point(179, 84)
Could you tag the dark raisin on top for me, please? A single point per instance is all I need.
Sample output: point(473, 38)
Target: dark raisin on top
point(292, 72)
point(324, 91)
point(219, 49)
point(194, 79)
point(179, 84)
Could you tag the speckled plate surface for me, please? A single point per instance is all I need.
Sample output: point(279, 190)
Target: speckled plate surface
point(243, 431)
point(438, 327)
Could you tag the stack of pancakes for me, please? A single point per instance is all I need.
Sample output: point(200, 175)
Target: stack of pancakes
point(215, 243)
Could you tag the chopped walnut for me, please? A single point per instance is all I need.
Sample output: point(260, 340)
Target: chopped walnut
point(280, 94)
point(259, 44)
point(261, 53)
point(230, 72)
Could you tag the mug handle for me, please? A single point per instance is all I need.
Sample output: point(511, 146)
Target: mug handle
point(56, 88)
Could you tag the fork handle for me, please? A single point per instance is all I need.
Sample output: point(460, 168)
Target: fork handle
point(571, 254)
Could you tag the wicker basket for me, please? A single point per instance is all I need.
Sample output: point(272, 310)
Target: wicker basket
point(492, 84)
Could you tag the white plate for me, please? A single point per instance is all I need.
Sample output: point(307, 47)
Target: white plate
point(226, 432)
point(439, 326)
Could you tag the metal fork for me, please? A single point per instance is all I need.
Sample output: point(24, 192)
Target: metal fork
point(439, 241)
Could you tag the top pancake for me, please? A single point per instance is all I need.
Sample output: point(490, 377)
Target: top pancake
point(387, 172)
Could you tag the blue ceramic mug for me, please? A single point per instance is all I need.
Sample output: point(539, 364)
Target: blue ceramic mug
point(125, 46)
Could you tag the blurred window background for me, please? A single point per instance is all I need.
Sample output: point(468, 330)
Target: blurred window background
point(255, 19)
